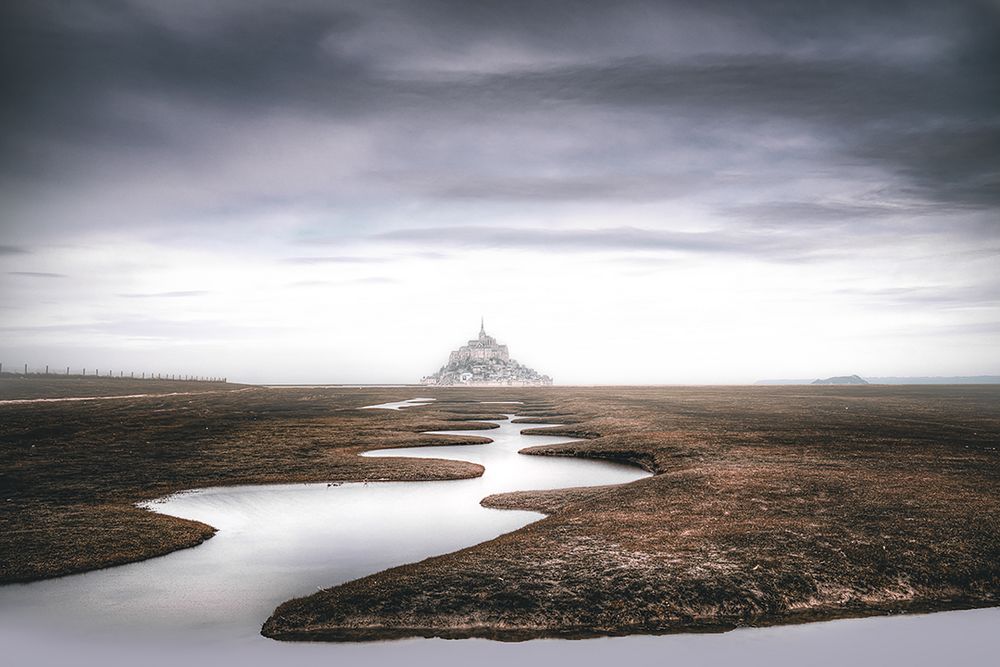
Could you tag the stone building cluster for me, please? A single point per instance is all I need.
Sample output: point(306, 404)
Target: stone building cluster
point(484, 362)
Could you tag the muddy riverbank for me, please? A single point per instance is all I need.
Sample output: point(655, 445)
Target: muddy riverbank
point(72, 471)
point(769, 506)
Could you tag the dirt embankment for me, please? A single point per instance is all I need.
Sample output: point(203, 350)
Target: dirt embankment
point(70, 472)
point(770, 505)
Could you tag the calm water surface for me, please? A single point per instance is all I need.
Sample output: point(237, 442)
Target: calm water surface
point(276, 542)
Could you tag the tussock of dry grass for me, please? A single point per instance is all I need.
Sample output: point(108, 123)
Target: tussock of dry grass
point(770, 505)
point(70, 472)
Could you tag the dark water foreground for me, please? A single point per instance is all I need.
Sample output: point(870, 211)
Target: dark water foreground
point(275, 542)
point(956, 638)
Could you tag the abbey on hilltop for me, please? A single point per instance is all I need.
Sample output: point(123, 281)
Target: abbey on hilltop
point(484, 362)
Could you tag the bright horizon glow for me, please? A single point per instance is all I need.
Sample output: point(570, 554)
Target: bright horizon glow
point(653, 193)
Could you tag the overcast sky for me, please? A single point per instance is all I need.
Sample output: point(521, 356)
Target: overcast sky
point(629, 192)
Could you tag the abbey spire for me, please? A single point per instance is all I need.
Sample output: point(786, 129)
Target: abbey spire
point(484, 361)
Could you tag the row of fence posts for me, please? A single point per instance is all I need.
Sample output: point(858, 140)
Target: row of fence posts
point(121, 375)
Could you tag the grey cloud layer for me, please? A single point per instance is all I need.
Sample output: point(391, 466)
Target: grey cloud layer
point(551, 103)
point(618, 239)
point(337, 259)
point(164, 295)
point(831, 161)
point(36, 274)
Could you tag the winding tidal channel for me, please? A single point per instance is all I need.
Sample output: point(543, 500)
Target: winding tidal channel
point(275, 542)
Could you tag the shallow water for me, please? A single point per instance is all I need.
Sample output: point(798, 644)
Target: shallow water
point(281, 541)
point(276, 542)
point(399, 405)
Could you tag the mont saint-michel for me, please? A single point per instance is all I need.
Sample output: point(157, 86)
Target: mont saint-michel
point(484, 362)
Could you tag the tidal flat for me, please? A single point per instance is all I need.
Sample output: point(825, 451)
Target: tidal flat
point(72, 472)
point(767, 505)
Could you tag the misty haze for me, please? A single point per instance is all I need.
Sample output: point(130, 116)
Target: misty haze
point(448, 332)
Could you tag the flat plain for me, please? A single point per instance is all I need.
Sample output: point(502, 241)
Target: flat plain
point(767, 504)
point(72, 471)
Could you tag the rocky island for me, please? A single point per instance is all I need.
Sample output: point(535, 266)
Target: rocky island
point(484, 362)
point(842, 379)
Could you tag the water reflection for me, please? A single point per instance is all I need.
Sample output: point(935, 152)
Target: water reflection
point(205, 605)
point(281, 541)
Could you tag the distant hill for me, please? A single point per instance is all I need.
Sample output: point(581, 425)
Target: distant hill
point(953, 379)
point(842, 379)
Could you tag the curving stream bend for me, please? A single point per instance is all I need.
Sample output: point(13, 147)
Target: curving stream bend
point(276, 542)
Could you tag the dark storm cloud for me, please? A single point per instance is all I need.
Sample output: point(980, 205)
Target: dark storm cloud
point(61, 62)
point(936, 125)
point(836, 92)
point(609, 186)
point(908, 87)
point(143, 142)
point(954, 165)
